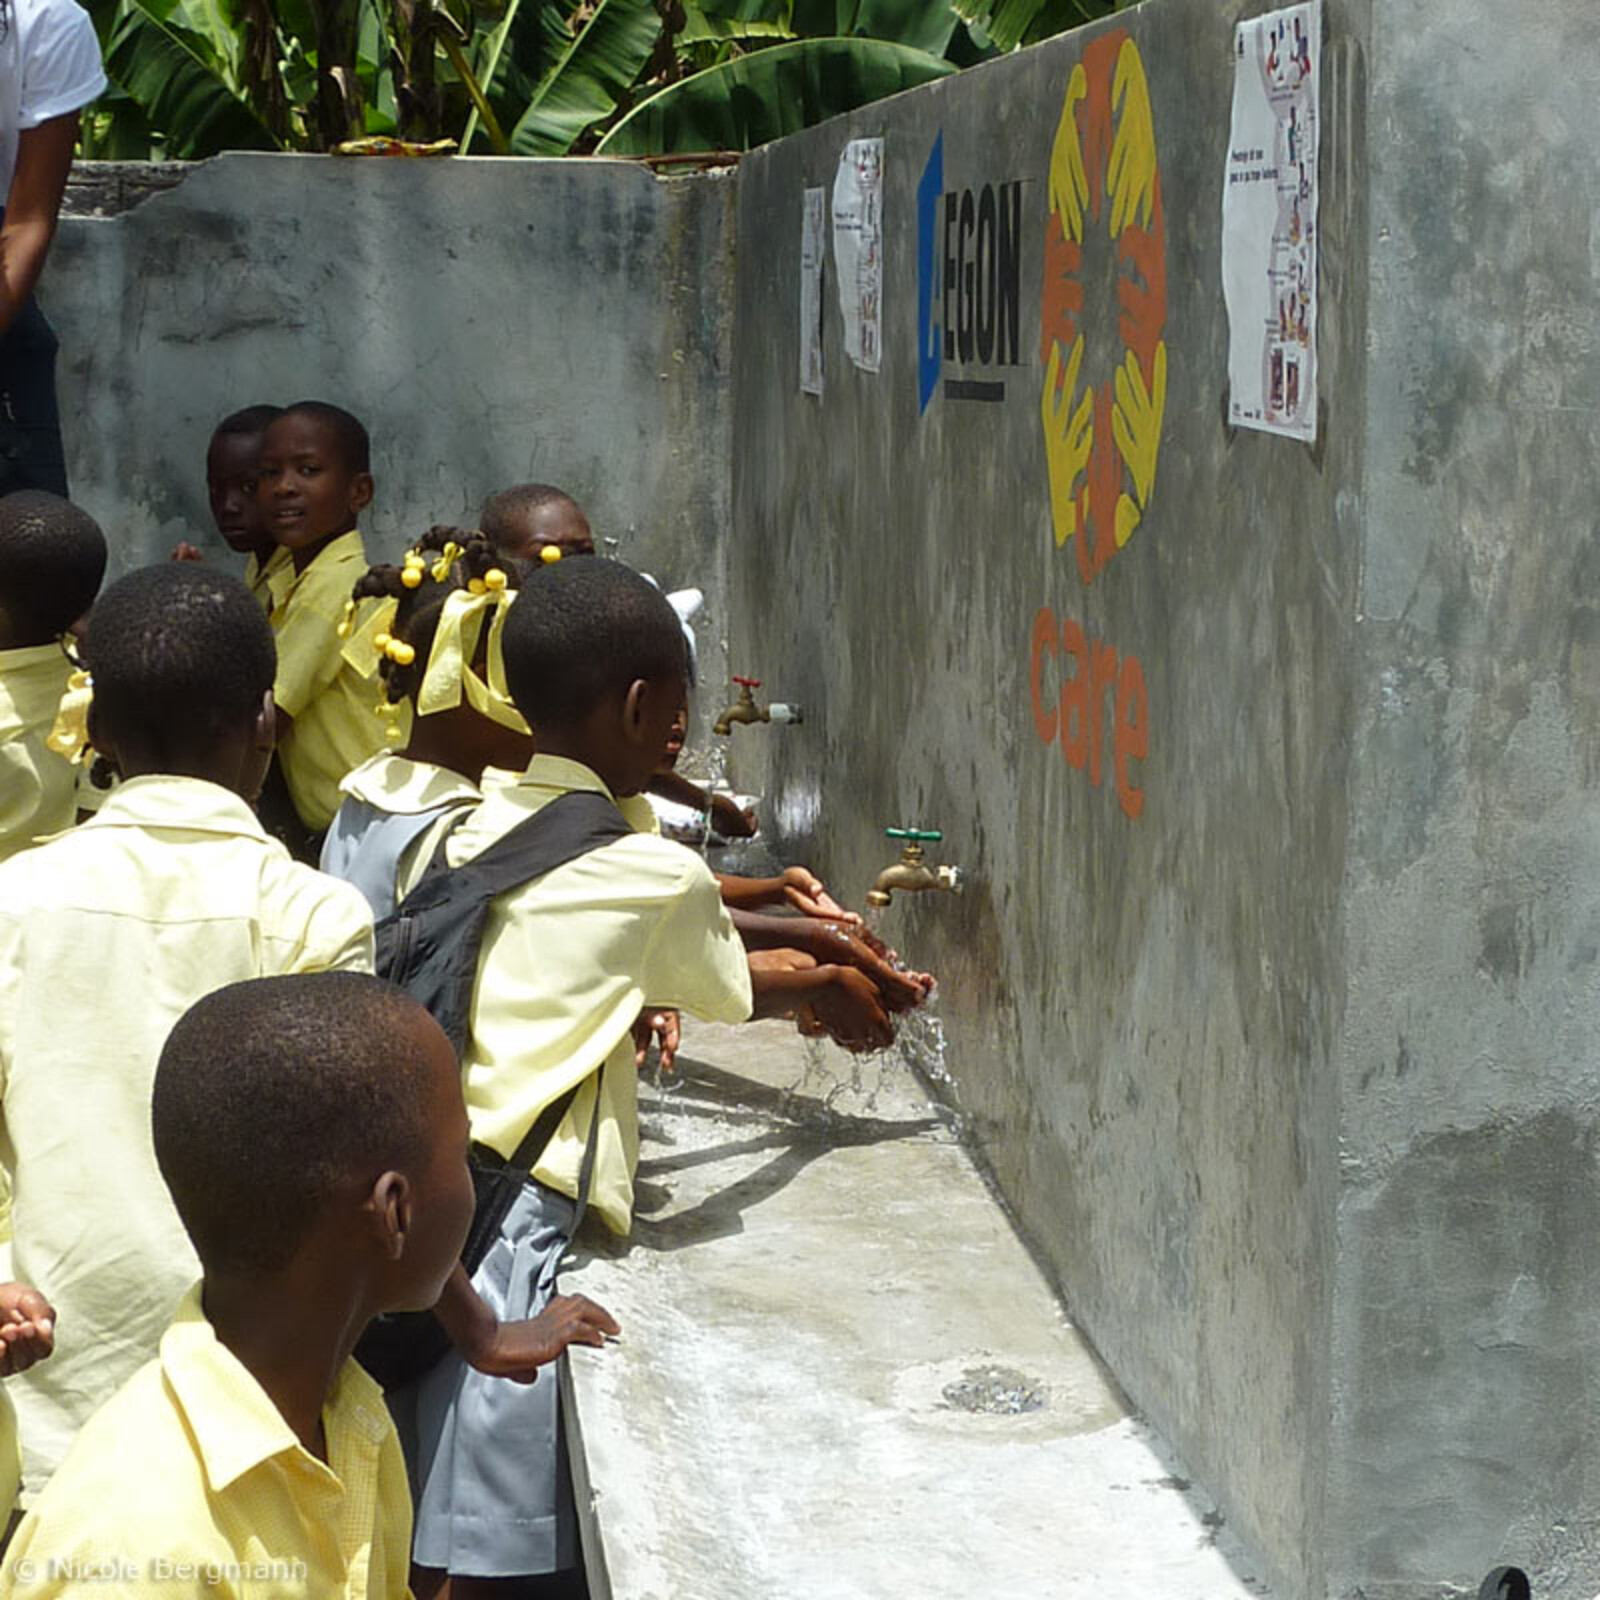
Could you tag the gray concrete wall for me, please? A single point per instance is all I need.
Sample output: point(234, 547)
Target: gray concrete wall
point(1144, 1014)
point(1469, 1253)
point(491, 321)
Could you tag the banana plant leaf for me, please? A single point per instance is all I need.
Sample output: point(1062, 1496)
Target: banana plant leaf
point(589, 77)
point(768, 11)
point(1057, 16)
point(921, 24)
point(751, 99)
point(165, 70)
point(1005, 21)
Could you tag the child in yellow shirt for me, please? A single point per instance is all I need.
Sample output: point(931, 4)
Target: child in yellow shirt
point(52, 558)
point(595, 660)
point(312, 1135)
point(313, 481)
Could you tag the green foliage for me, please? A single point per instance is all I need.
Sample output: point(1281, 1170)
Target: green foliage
point(533, 77)
point(590, 77)
point(751, 99)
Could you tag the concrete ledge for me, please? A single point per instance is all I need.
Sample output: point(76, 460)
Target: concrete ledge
point(816, 1292)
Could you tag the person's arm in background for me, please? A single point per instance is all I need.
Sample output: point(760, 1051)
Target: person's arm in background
point(44, 157)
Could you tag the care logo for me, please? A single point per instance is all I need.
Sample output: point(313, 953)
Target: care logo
point(1104, 394)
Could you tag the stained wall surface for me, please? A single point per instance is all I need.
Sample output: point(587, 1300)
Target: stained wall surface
point(1143, 984)
point(1469, 1254)
point(493, 322)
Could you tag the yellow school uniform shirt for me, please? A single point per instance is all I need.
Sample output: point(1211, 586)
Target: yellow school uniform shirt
point(568, 961)
point(36, 785)
point(269, 580)
point(332, 698)
point(189, 1482)
point(107, 935)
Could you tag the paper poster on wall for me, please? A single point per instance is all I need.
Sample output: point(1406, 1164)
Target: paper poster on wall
point(858, 249)
point(812, 246)
point(1269, 222)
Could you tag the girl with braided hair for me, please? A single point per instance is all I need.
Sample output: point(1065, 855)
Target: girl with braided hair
point(437, 638)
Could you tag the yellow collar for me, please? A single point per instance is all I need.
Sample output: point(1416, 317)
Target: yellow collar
point(233, 1421)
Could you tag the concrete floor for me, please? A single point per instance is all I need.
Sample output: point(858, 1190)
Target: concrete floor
point(815, 1290)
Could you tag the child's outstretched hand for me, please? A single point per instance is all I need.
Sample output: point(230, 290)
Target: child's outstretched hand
point(663, 1025)
point(854, 947)
point(184, 551)
point(517, 1350)
point(851, 1010)
point(803, 890)
point(27, 1328)
point(732, 821)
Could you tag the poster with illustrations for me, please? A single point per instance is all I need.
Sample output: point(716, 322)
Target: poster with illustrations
point(1269, 222)
point(858, 250)
point(813, 244)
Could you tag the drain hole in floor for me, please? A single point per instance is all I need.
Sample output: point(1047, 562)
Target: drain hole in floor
point(995, 1391)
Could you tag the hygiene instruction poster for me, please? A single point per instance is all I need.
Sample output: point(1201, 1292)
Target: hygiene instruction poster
point(858, 250)
point(813, 244)
point(1269, 222)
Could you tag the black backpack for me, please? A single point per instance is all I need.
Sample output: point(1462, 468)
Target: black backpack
point(429, 946)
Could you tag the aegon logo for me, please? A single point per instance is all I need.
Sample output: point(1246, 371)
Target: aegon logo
point(969, 279)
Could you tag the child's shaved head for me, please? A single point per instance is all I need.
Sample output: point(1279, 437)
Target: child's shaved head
point(52, 558)
point(271, 1095)
point(522, 521)
point(181, 655)
point(347, 432)
point(582, 631)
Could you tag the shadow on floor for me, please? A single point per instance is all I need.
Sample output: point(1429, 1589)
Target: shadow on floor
point(807, 1128)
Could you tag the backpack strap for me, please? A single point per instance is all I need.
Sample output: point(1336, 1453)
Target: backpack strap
point(430, 944)
point(571, 825)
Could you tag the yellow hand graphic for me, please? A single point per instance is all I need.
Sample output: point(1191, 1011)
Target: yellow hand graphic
point(1136, 426)
point(1068, 437)
point(1131, 176)
point(1069, 182)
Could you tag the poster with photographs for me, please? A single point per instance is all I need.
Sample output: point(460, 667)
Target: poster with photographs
point(1269, 222)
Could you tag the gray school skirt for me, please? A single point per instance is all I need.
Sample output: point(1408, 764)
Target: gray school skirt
point(489, 1472)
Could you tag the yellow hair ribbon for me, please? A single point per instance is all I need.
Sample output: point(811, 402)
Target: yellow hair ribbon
point(361, 648)
point(69, 736)
point(450, 672)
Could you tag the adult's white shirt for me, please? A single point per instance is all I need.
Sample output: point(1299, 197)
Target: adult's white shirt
point(49, 66)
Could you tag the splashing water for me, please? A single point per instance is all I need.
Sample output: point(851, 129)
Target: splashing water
point(713, 765)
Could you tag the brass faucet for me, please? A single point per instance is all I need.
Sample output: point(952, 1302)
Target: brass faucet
point(911, 874)
point(744, 709)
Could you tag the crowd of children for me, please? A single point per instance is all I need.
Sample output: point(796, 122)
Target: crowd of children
point(230, 1147)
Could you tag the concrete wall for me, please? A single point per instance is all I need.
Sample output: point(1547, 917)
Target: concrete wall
point(1468, 1301)
point(491, 321)
point(1143, 1013)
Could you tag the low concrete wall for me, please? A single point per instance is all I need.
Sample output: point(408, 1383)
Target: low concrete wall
point(491, 321)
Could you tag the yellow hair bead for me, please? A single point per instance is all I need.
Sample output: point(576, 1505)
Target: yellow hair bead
point(381, 643)
point(343, 629)
point(412, 577)
point(550, 553)
point(494, 578)
point(452, 550)
point(400, 653)
point(477, 586)
point(441, 570)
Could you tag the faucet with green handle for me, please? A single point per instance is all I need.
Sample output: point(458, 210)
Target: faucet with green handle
point(911, 874)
